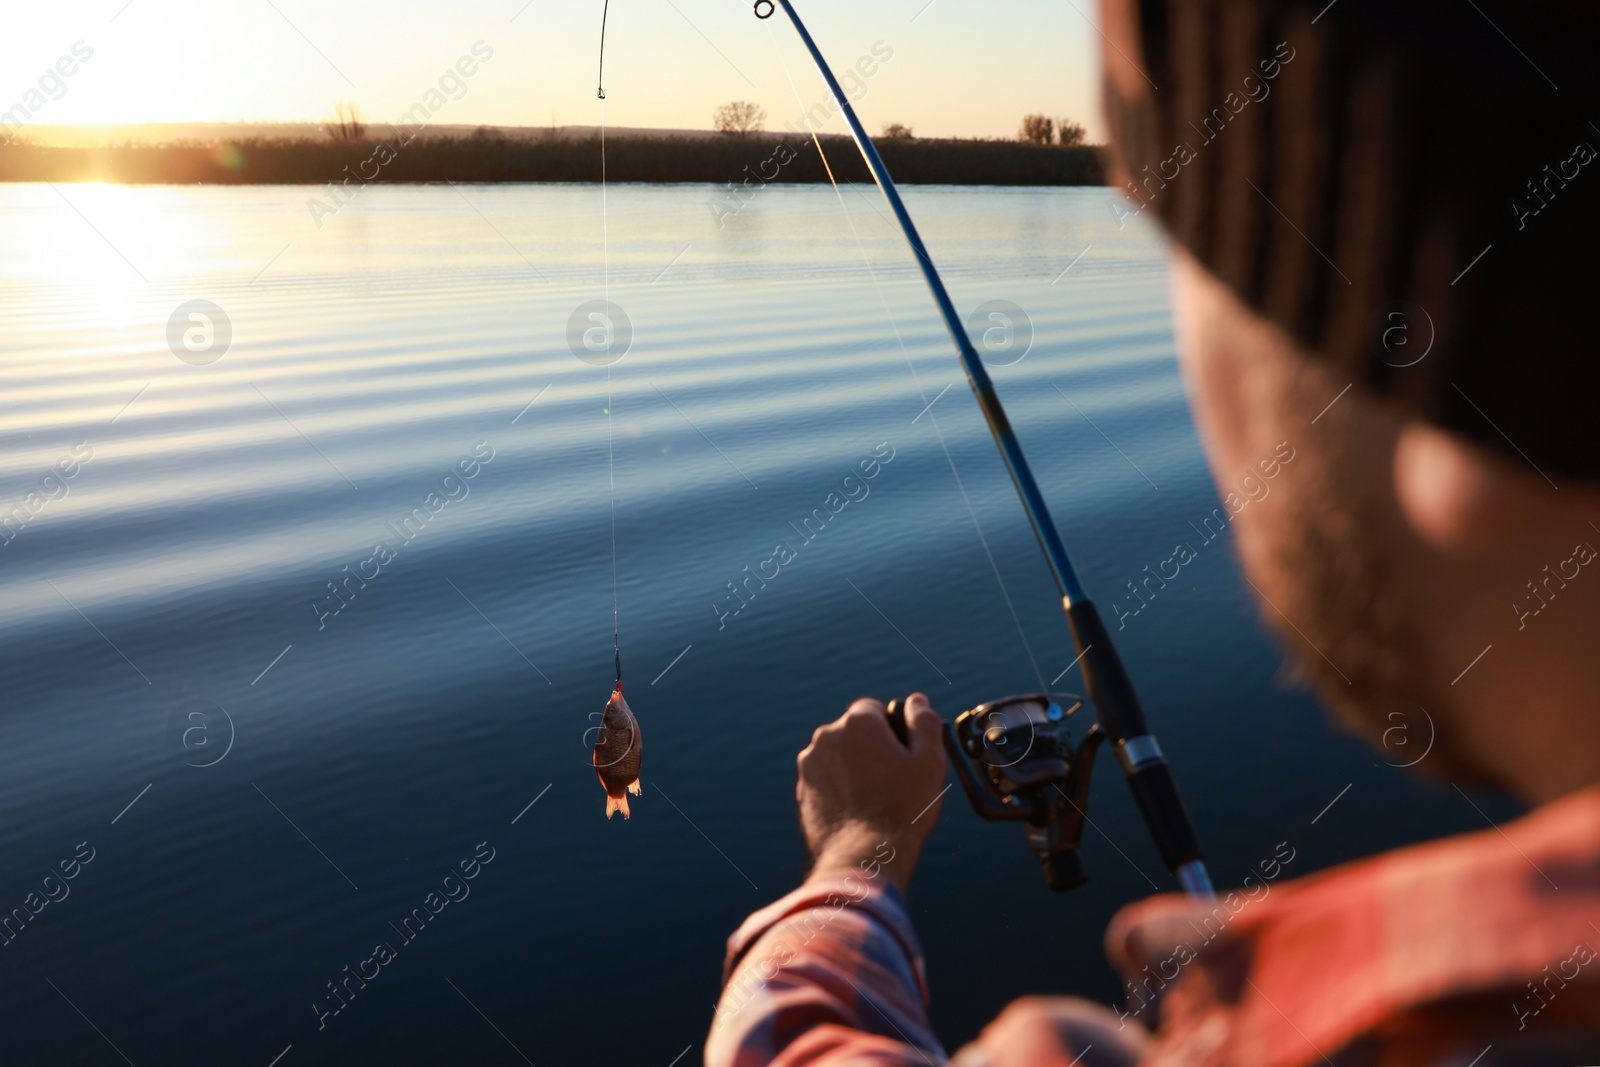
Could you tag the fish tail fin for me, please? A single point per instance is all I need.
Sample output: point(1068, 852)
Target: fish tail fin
point(616, 804)
point(635, 788)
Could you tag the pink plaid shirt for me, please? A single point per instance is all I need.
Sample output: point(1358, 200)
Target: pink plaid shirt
point(1480, 950)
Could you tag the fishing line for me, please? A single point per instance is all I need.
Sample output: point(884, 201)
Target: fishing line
point(611, 453)
point(910, 365)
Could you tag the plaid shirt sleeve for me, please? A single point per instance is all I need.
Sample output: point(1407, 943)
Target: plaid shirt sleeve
point(830, 974)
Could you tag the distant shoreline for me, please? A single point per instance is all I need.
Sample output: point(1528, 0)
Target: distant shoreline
point(742, 162)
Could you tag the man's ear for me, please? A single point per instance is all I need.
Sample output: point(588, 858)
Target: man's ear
point(1460, 498)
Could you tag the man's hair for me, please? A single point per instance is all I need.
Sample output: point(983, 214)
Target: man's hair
point(1410, 190)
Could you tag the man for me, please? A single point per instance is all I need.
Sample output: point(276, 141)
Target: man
point(1360, 269)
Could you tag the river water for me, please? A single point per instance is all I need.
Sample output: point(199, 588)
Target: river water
point(267, 776)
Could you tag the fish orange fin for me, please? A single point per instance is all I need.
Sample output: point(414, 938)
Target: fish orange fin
point(613, 805)
point(635, 788)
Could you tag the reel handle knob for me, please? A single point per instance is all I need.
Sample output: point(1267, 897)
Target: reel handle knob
point(897, 721)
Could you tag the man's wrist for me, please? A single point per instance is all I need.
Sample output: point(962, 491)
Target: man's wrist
point(867, 854)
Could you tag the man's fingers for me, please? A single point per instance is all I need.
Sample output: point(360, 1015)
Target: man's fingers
point(920, 714)
point(866, 714)
point(865, 706)
point(922, 721)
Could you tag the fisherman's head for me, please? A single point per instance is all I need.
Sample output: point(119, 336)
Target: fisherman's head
point(1366, 271)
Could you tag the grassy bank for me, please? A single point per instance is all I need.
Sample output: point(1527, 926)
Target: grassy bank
point(760, 158)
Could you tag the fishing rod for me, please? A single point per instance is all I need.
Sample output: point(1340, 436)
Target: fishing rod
point(1121, 717)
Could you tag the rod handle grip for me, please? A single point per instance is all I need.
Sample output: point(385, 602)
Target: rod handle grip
point(1156, 792)
point(1122, 718)
point(1104, 677)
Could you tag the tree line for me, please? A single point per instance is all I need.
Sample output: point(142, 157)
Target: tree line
point(488, 157)
point(740, 118)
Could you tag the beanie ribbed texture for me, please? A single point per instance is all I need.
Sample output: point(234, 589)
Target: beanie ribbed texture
point(1384, 180)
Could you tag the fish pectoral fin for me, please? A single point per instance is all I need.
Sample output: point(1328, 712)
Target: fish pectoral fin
point(636, 789)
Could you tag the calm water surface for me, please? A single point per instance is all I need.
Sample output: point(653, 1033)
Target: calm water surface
point(301, 781)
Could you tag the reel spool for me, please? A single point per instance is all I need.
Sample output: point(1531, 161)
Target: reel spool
point(1017, 762)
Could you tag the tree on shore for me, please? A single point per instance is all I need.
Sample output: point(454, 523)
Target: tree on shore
point(897, 131)
point(739, 118)
point(1037, 129)
point(1070, 134)
point(346, 124)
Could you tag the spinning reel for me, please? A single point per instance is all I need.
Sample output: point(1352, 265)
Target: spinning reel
point(1017, 762)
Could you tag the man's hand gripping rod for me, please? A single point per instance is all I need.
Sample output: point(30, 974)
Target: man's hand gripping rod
point(1105, 679)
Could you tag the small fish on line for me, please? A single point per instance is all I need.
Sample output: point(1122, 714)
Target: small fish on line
point(618, 754)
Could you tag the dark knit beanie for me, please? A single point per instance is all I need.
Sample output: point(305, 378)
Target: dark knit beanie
point(1409, 188)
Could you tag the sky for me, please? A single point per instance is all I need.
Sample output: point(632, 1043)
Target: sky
point(967, 68)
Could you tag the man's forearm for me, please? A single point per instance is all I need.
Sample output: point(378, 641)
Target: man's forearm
point(832, 973)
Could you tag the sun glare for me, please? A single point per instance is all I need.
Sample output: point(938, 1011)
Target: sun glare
point(105, 246)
